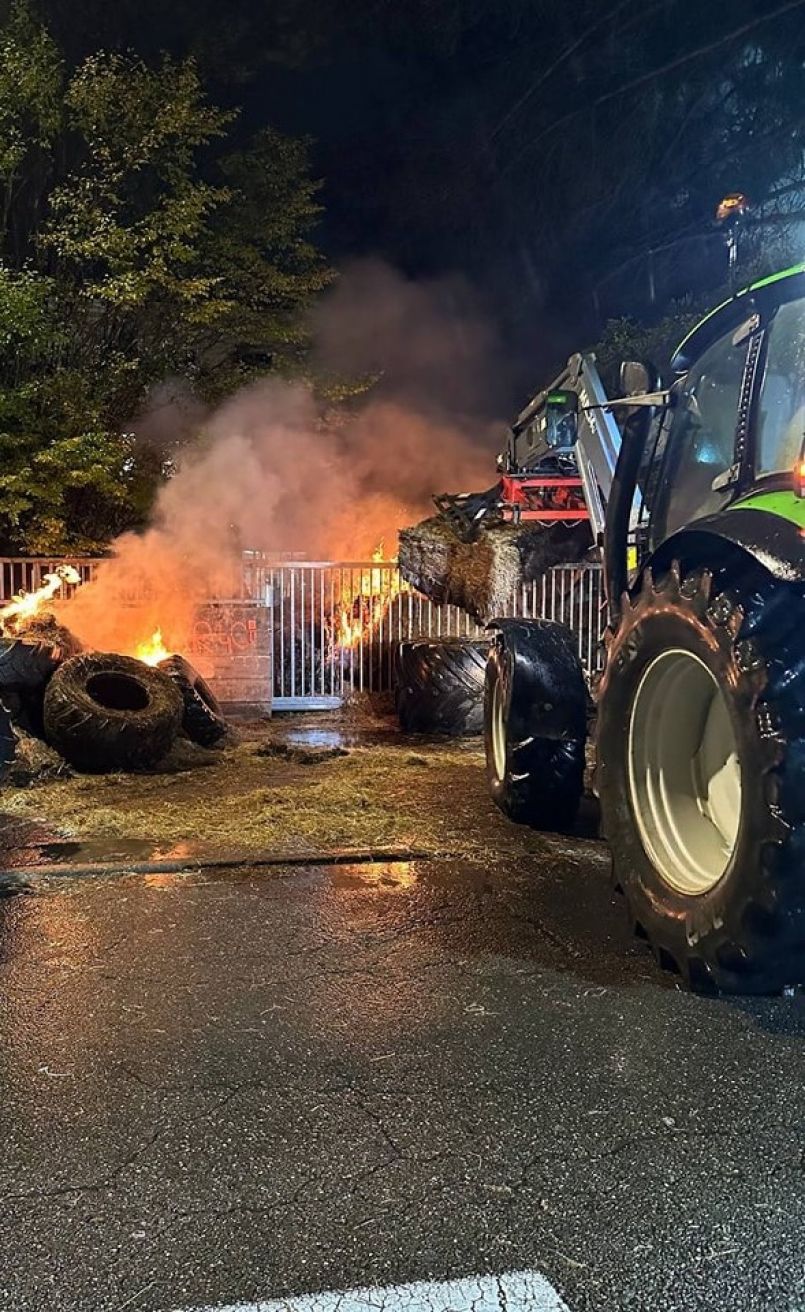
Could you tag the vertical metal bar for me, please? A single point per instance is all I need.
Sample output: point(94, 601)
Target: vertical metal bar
point(385, 620)
point(370, 627)
point(577, 600)
point(593, 626)
point(395, 607)
point(293, 629)
point(352, 647)
point(322, 635)
point(390, 617)
point(302, 629)
point(312, 591)
point(341, 645)
point(371, 631)
point(333, 630)
point(360, 630)
point(282, 582)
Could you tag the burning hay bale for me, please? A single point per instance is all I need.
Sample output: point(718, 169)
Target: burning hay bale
point(33, 643)
point(481, 576)
point(46, 630)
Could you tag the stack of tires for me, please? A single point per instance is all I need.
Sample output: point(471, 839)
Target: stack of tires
point(102, 711)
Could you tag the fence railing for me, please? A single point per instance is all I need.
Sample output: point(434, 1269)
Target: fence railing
point(24, 574)
point(334, 625)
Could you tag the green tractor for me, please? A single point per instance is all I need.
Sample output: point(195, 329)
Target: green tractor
point(700, 735)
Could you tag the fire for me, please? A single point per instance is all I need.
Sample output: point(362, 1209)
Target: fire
point(367, 602)
point(153, 650)
point(26, 605)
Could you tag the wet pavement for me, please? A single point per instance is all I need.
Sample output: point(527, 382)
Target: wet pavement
point(226, 1087)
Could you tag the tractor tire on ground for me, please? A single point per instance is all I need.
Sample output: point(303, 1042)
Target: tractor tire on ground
point(701, 775)
point(108, 712)
point(26, 665)
point(535, 723)
point(440, 686)
point(202, 719)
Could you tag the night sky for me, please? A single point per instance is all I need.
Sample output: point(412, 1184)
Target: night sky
point(566, 159)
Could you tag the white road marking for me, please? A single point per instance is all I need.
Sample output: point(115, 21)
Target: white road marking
point(516, 1291)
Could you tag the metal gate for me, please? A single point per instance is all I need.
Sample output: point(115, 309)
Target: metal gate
point(335, 625)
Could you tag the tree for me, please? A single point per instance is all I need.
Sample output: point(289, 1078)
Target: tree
point(137, 246)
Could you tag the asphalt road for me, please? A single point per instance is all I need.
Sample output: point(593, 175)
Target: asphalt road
point(221, 1089)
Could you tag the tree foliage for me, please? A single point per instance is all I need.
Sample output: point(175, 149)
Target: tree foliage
point(138, 245)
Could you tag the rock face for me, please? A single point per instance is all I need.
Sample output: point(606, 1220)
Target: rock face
point(481, 576)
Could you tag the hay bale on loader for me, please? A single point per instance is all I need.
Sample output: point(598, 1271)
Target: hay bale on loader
point(482, 575)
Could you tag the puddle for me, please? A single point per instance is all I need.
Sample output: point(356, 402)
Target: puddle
point(21, 851)
point(345, 737)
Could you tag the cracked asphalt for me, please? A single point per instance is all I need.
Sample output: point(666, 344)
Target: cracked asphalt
point(221, 1088)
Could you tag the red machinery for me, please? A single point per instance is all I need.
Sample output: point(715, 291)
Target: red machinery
point(542, 497)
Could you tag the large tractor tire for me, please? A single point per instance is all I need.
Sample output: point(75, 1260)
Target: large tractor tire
point(202, 718)
point(26, 666)
point(440, 686)
point(535, 723)
point(106, 712)
point(701, 776)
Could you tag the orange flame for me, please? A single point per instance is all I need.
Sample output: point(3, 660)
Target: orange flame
point(365, 602)
point(153, 650)
point(25, 605)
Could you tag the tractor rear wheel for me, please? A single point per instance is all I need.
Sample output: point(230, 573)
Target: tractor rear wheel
point(701, 767)
point(535, 723)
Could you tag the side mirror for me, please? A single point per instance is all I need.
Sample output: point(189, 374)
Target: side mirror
point(636, 378)
point(561, 419)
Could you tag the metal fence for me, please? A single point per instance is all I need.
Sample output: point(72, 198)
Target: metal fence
point(334, 626)
point(23, 574)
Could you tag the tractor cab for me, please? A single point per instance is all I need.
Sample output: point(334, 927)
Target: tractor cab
point(732, 436)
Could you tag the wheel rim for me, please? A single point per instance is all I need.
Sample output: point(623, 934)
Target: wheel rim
point(498, 730)
point(684, 774)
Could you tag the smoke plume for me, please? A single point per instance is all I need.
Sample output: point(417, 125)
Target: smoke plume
point(271, 471)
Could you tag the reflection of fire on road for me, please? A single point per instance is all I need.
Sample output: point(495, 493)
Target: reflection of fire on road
point(365, 601)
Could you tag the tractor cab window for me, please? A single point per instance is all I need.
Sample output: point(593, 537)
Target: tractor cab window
point(700, 445)
point(781, 423)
